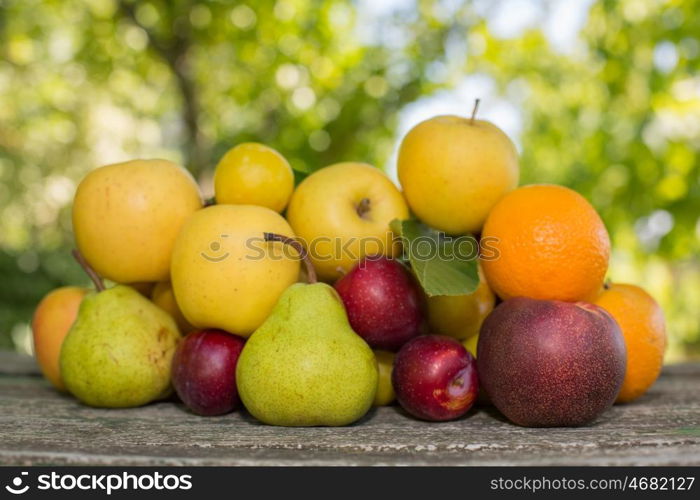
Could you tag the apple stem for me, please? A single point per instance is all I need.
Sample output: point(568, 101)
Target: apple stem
point(363, 207)
point(310, 271)
point(99, 284)
point(474, 110)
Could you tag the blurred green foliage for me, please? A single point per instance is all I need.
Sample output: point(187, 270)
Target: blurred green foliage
point(85, 82)
point(619, 121)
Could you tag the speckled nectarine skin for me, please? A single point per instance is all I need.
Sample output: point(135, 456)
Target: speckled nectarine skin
point(548, 363)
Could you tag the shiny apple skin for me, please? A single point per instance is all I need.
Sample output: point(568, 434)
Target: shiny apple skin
point(204, 371)
point(384, 302)
point(435, 378)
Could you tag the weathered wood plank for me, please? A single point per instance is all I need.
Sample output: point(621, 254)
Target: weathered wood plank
point(16, 364)
point(40, 426)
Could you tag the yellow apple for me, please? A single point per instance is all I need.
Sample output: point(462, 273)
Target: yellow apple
point(126, 217)
point(342, 213)
point(471, 343)
point(254, 174)
point(52, 319)
point(163, 296)
point(453, 170)
point(461, 316)
point(224, 275)
point(385, 391)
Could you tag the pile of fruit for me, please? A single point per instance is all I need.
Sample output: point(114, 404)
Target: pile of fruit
point(300, 302)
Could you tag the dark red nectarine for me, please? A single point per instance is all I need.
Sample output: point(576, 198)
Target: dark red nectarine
point(548, 363)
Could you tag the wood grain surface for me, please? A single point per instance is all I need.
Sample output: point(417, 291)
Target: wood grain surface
point(41, 426)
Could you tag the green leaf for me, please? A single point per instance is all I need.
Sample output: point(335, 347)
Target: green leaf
point(444, 265)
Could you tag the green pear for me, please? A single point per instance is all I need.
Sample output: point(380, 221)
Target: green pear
point(118, 352)
point(305, 365)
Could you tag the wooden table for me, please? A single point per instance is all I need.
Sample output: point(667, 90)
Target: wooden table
point(40, 426)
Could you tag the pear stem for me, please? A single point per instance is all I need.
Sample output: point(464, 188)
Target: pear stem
point(310, 271)
point(363, 207)
point(474, 110)
point(99, 284)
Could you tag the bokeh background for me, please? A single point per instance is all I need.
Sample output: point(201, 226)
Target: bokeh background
point(602, 96)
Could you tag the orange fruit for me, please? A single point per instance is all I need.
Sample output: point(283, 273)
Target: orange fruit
point(642, 323)
point(51, 322)
point(545, 242)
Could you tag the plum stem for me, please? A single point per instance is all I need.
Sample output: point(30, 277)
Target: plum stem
point(474, 110)
point(363, 207)
point(96, 279)
point(310, 271)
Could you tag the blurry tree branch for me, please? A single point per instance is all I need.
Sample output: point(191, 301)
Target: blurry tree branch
point(175, 52)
